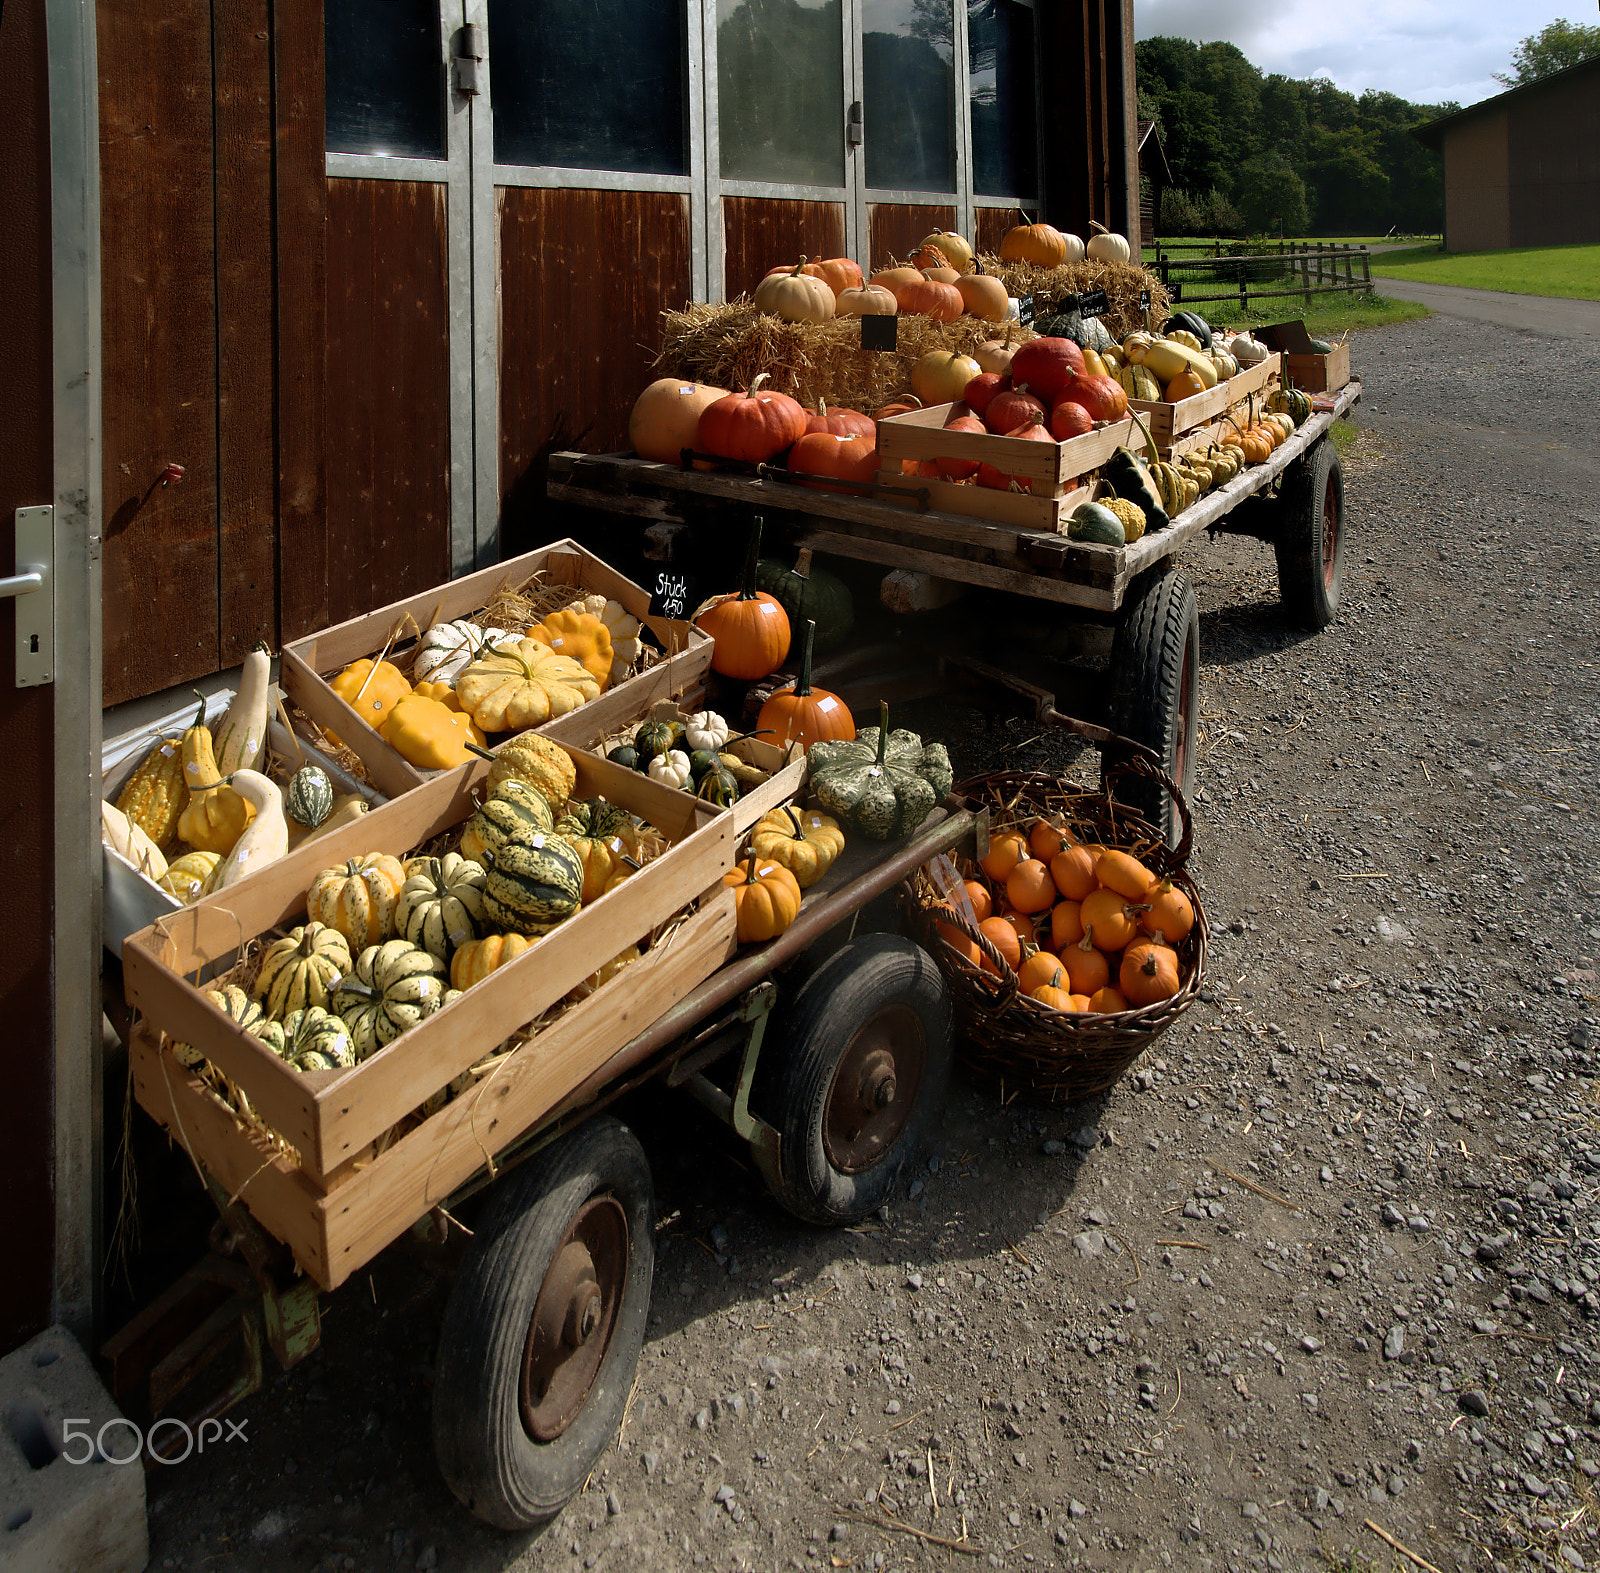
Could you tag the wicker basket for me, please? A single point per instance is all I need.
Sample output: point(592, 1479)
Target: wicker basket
point(1016, 1043)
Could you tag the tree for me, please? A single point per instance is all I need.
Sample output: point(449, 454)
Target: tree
point(1553, 48)
point(1270, 194)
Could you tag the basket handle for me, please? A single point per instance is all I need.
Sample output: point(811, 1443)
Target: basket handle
point(1007, 981)
point(1140, 761)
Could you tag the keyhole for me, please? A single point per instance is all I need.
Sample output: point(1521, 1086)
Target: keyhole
point(33, 644)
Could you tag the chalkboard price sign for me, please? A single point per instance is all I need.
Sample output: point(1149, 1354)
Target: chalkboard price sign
point(1092, 302)
point(880, 333)
point(1025, 310)
point(1144, 300)
point(673, 595)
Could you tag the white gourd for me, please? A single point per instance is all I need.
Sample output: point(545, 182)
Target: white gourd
point(266, 837)
point(671, 768)
point(1246, 350)
point(130, 841)
point(705, 729)
point(448, 649)
point(240, 738)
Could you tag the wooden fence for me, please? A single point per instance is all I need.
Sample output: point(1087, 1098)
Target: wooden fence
point(1308, 271)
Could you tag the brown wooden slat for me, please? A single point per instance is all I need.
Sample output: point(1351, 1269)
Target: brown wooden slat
point(761, 232)
point(896, 229)
point(27, 714)
point(158, 325)
point(585, 276)
point(388, 393)
point(246, 480)
point(991, 227)
point(300, 195)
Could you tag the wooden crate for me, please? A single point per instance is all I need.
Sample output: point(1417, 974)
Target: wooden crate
point(331, 1117)
point(1170, 422)
point(1055, 471)
point(335, 1224)
point(1320, 373)
point(308, 663)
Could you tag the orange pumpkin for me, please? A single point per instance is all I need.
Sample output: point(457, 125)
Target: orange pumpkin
point(1066, 924)
point(984, 296)
point(1041, 244)
point(851, 457)
point(1012, 407)
point(1037, 970)
point(960, 469)
point(958, 941)
point(978, 895)
point(1027, 930)
point(1029, 887)
point(1087, 968)
point(1056, 994)
point(754, 426)
point(1006, 850)
point(1149, 972)
point(896, 279)
point(838, 273)
point(904, 404)
point(1046, 838)
point(928, 256)
point(766, 899)
point(1107, 1001)
point(840, 421)
point(666, 418)
point(1069, 419)
point(1005, 939)
point(1169, 914)
point(1123, 873)
point(1107, 915)
point(750, 627)
point(1073, 871)
point(804, 714)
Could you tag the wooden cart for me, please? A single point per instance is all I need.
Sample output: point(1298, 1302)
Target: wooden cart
point(547, 1316)
point(1294, 501)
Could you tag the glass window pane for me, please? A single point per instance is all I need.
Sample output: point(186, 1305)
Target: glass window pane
point(385, 77)
point(908, 54)
point(1000, 88)
point(578, 85)
point(780, 91)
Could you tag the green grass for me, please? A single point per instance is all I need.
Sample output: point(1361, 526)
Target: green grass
point(1328, 316)
point(1566, 272)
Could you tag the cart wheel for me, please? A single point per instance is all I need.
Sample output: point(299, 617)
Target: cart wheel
point(1310, 543)
point(1155, 686)
point(544, 1326)
point(860, 1063)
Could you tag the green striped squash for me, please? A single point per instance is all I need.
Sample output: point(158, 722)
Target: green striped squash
point(240, 1009)
point(299, 969)
point(534, 880)
point(1139, 383)
point(315, 1030)
point(309, 799)
point(441, 904)
point(391, 987)
point(512, 806)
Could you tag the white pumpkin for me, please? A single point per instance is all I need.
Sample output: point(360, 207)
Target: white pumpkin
point(1246, 350)
point(1106, 247)
point(705, 729)
point(620, 623)
point(1074, 247)
point(448, 649)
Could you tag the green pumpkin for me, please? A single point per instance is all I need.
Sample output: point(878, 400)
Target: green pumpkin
point(392, 986)
point(593, 818)
point(656, 738)
point(1194, 323)
point(1293, 402)
point(718, 785)
point(513, 805)
point(318, 1031)
point(1321, 347)
point(1093, 522)
point(441, 905)
point(883, 787)
point(309, 798)
point(299, 969)
point(626, 755)
point(812, 593)
point(532, 881)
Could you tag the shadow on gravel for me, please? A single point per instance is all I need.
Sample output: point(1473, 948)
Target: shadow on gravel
point(1245, 631)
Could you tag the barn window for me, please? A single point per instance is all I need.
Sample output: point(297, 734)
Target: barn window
point(385, 77)
point(1001, 90)
point(908, 57)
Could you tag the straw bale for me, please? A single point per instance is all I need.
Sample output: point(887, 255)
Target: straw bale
point(1121, 281)
point(730, 345)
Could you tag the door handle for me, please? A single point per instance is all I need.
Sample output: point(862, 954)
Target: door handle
point(36, 612)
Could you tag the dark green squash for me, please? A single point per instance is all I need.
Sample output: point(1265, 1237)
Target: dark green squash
point(1194, 323)
point(532, 881)
point(882, 786)
point(717, 785)
point(1129, 478)
point(656, 738)
point(1096, 524)
point(806, 591)
point(626, 755)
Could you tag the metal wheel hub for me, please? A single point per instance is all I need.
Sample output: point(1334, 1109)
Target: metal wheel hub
point(573, 1319)
point(874, 1089)
point(1330, 530)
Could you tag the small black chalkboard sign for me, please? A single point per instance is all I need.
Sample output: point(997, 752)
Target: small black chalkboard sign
point(674, 593)
point(1144, 300)
point(1025, 310)
point(1092, 302)
point(880, 333)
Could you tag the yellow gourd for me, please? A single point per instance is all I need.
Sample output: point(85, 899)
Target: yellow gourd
point(216, 816)
point(581, 636)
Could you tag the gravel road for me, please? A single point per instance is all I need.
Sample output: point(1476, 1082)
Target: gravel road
point(1325, 1270)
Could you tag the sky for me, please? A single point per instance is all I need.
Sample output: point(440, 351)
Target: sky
point(1425, 51)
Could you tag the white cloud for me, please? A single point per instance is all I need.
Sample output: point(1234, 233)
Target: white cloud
point(1423, 50)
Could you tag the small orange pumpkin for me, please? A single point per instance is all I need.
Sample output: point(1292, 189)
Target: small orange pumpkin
point(1046, 838)
point(1037, 970)
point(804, 714)
point(1006, 850)
point(766, 899)
point(1005, 939)
point(1087, 968)
point(978, 895)
point(1029, 887)
point(1149, 972)
point(1107, 1001)
point(1113, 921)
point(1169, 914)
point(1056, 994)
point(958, 941)
point(1066, 924)
point(1123, 873)
point(750, 627)
point(1073, 871)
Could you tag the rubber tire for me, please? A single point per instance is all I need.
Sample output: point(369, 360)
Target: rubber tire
point(803, 1050)
point(488, 1459)
point(1155, 656)
point(1307, 580)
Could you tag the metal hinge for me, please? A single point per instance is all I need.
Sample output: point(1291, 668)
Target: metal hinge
point(469, 53)
point(34, 588)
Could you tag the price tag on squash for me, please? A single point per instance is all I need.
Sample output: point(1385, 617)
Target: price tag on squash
point(880, 333)
point(1093, 302)
point(673, 594)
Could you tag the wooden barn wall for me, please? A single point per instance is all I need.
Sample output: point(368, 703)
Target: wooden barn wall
point(896, 229)
point(1087, 128)
point(388, 393)
point(575, 349)
point(1554, 147)
point(27, 1117)
point(990, 225)
point(761, 232)
point(213, 223)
